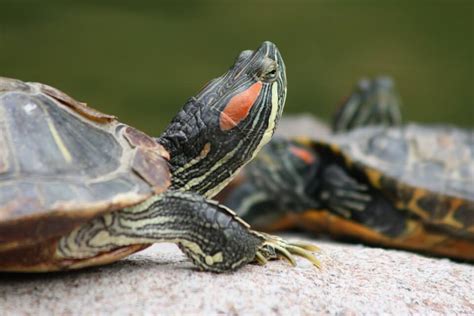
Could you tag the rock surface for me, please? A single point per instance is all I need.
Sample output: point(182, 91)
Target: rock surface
point(160, 280)
point(302, 125)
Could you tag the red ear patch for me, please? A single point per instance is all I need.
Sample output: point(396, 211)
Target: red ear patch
point(303, 154)
point(239, 107)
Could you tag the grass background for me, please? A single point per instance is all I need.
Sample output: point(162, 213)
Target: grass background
point(141, 60)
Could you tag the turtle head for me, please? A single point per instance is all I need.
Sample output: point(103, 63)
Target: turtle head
point(372, 102)
point(224, 126)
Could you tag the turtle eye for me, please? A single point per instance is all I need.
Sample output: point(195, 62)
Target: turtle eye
point(271, 73)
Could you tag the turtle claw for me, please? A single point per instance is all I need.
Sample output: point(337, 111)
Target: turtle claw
point(306, 246)
point(275, 247)
point(260, 259)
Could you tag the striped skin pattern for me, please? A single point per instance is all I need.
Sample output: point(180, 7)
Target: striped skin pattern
point(373, 102)
point(204, 158)
point(205, 154)
point(278, 180)
point(206, 232)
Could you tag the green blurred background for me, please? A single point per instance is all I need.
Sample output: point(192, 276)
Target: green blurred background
point(141, 60)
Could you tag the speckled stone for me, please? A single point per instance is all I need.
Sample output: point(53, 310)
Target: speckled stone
point(354, 279)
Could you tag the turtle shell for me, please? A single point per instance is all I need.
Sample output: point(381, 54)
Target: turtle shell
point(427, 170)
point(63, 163)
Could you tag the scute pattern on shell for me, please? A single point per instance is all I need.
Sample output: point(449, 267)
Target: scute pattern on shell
point(426, 171)
point(439, 159)
point(62, 163)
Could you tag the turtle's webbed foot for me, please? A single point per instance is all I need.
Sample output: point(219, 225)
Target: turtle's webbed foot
point(274, 247)
point(343, 194)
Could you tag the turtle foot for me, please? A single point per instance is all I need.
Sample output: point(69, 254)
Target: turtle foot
point(274, 247)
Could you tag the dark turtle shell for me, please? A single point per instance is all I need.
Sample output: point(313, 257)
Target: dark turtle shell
point(62, 163)
point(427, 170)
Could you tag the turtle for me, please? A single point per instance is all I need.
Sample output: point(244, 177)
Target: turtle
point(372, 180)
point(78, 188)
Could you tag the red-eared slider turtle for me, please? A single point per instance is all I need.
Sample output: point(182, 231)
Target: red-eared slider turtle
point(409, 187)
point(78, 188)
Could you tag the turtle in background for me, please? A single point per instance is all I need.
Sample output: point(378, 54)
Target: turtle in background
point(371, 180)
point(78, 188)
point(372, 102)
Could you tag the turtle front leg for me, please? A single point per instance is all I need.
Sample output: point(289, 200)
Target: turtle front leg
point(211, 235)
